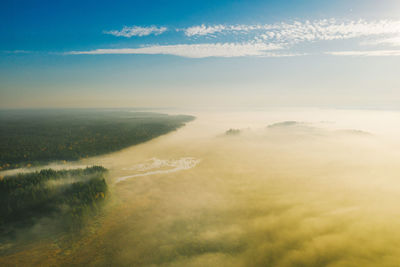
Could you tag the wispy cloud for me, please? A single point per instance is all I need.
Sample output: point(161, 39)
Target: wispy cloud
point(394, 41)
point(196, 50)
point(17, 52)
point(332, 30)
point(137, 31)
point(298, 31)
point(203, 30)
point(367, 53)
point(258, 40)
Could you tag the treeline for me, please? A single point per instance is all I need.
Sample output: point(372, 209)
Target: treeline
point(66, 196)
point(233, 132)
point(35, 137)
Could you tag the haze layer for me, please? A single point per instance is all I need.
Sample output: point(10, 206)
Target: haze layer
point(315, 188)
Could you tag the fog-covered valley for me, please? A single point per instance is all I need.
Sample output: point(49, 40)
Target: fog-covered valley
point(284, 188)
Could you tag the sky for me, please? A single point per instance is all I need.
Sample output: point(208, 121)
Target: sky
point(337, 54)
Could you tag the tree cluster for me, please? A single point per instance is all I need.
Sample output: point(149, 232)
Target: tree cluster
point(67, 195)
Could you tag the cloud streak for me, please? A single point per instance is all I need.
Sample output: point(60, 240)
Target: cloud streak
point(394, 41)
point(137, 31)
point(204, 30)
point(242, 40)
point(195, 50)
point(297, 31)
point(17, 52)
point(367, 53)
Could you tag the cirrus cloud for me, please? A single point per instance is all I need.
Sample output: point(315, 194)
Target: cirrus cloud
point(195, 50)
point(301, 31)
point(366, 53)
point(257, 40)
point(137, 31)
point(203, 30)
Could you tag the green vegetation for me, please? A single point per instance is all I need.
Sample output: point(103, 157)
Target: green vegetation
point(233, 132)
point(66, 195)
point(284, 124)
point(35, 137)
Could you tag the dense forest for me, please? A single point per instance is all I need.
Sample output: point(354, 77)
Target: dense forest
point(32, 137)
point(66, 196)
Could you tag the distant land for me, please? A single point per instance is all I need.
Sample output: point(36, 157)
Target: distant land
point(34, 137)
point(63, 200)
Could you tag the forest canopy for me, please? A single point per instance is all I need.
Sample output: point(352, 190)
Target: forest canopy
point(64, 195)
point(33, 137)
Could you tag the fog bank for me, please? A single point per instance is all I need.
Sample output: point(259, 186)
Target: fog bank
point(291, 188)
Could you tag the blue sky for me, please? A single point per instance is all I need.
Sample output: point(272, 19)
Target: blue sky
point(199, 53)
